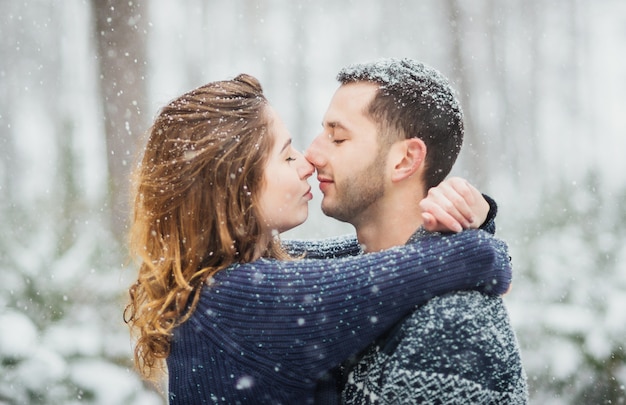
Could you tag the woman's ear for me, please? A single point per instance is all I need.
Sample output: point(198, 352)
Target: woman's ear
point(410, 156)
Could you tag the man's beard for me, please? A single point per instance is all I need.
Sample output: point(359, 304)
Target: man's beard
point(357, 193)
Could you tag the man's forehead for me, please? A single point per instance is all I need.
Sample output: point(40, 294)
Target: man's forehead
point(348, 107)
point(339, 119)
point(360, 88)
point(350, 99)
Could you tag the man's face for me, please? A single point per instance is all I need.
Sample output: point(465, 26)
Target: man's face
point(349, 161)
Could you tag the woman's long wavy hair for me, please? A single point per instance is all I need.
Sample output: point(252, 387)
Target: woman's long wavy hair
point(195, 200)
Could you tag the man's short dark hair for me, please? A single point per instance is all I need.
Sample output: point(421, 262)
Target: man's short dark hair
point(414, 101)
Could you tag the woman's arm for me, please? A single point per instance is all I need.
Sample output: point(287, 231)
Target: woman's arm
point(452, 206)
point(309, 315)
point(489, 224)
point(455, 205)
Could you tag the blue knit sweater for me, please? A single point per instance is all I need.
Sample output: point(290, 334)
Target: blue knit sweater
point(263, 332)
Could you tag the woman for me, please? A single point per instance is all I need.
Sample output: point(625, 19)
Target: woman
point(237, 319)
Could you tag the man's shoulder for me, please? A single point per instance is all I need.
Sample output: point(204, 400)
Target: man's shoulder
point(455, 316)
point(460, 303)
point(462, 341)
point(459, 316)
point(421, 234)
point(465, 336)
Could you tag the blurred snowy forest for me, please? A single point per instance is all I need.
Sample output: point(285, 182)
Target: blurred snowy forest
point(543, 85)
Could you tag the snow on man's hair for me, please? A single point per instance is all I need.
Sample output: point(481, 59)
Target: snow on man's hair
point(406, 77)
point(413, 101)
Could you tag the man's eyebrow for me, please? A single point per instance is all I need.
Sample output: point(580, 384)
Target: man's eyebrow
point(285, 145)
point(334, 124)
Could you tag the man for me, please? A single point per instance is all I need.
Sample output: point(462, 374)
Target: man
point(393, 130)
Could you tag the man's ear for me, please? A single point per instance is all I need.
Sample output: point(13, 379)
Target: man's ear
point(410, 155)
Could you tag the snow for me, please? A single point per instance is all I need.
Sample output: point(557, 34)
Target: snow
point(18, 334)
point(548, 113)
point(112, 385)
point(48, 366)
point(395, 73)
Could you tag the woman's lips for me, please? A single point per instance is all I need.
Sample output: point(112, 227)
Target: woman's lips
point(308, 195)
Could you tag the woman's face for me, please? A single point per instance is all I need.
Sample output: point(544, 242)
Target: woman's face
point(286, 193)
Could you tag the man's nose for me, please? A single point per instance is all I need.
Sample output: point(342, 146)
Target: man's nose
point(306, 169)
point(315, 153)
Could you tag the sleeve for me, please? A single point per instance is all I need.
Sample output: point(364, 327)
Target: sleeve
point(490, 222)
point(329, 248)
point(301, 318)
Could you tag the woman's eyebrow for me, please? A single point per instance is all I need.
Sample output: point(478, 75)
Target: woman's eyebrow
point(285, 145)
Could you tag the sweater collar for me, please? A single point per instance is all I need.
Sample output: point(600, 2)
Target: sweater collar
point(420, 233)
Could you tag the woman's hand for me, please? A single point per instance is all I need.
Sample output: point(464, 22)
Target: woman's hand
point(452, 206)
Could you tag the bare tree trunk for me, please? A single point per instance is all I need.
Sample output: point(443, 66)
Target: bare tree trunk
point(498, 44)
point(531, 15)
point(120, 35)
point(302, 73)
point(475, 154)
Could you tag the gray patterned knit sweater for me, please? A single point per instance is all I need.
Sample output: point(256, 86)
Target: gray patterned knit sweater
point(457, 349)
